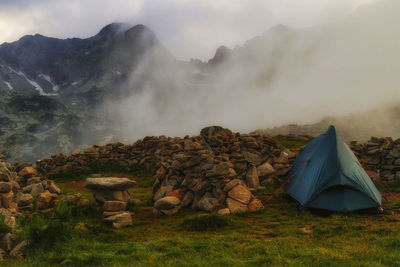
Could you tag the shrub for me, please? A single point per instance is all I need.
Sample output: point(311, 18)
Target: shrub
point(203, 223)
point(45, 230)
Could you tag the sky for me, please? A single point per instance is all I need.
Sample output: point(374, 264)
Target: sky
point(188, 28)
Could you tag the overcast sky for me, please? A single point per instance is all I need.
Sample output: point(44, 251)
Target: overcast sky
point(189, 28)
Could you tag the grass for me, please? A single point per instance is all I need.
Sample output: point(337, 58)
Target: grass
point(291, 142)
point(274, 236)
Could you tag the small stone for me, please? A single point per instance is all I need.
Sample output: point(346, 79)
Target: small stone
point(224, 211)
point(72, 199)
point(106, 195)
point(33, 180)
point(235, 206)
point(265, 169)
point(120, 220)
point(170, 211)
point(5, 187)
point(176, 193)
point(19, 250)
point(28, 171)
point(53, 188)
point(187, 199)
point(241, 194)
point(114, 205)
point(167, 203)
point(207, 203)
point(255, 205)
point(6, 242)
point(252, 178)
point(6, 199)
point(231, 184)
point(162, 192)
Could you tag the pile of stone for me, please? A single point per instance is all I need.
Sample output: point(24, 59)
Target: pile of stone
point(382, 155)
point(113, 193)
point(19, 185)
point(217, 171)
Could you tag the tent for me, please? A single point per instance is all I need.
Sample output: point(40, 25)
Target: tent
point(327, 175)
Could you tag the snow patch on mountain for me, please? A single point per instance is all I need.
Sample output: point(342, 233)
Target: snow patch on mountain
point(33, 83)
point(48, 79)
point(9, 85)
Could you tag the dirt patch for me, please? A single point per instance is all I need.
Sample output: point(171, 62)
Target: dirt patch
point(76, 185)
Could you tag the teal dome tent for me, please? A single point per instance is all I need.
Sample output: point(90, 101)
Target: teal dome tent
point(327, 175)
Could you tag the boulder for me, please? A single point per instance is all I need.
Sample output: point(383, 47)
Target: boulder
point(241, 194)
point(109, 183)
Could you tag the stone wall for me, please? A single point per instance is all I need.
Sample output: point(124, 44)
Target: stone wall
point(382, 155)
point(220, 176)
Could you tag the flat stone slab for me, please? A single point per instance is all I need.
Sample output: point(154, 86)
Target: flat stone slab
point(109, 183)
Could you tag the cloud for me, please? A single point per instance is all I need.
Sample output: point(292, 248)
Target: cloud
point(189, 28)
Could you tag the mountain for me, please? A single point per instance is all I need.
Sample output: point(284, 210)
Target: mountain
point(51, 89)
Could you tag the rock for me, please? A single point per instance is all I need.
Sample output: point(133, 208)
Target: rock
point(224, 211)
point(176, 193)
point(5, 187)
point(33, 180)
point(72, 199)
point(207, 203)
point(119, 220)
point(222, 169)
point(252, 177)
point(167, 203)
point(252, 158)
point(231, 184)
point(241, 194)
point(187, 199)
point(255, 205)
point(235, 206)
point(33, 189)
point(6, 199)
point(109, 183)
point(106, 195)
point(265, 169)
point(46, 200)
point(19, 250)
point(162, 192)
point(6, 242)
point(9, 219)
point(53, 188)
point(114, 205)
point(170, 211)
point(28, 172)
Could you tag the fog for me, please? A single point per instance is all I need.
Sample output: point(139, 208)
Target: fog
point(289, 75)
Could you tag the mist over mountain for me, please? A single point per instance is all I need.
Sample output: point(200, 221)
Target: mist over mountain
point(123, 84)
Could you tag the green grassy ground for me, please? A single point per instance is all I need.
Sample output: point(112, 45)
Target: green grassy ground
point(275, 236)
